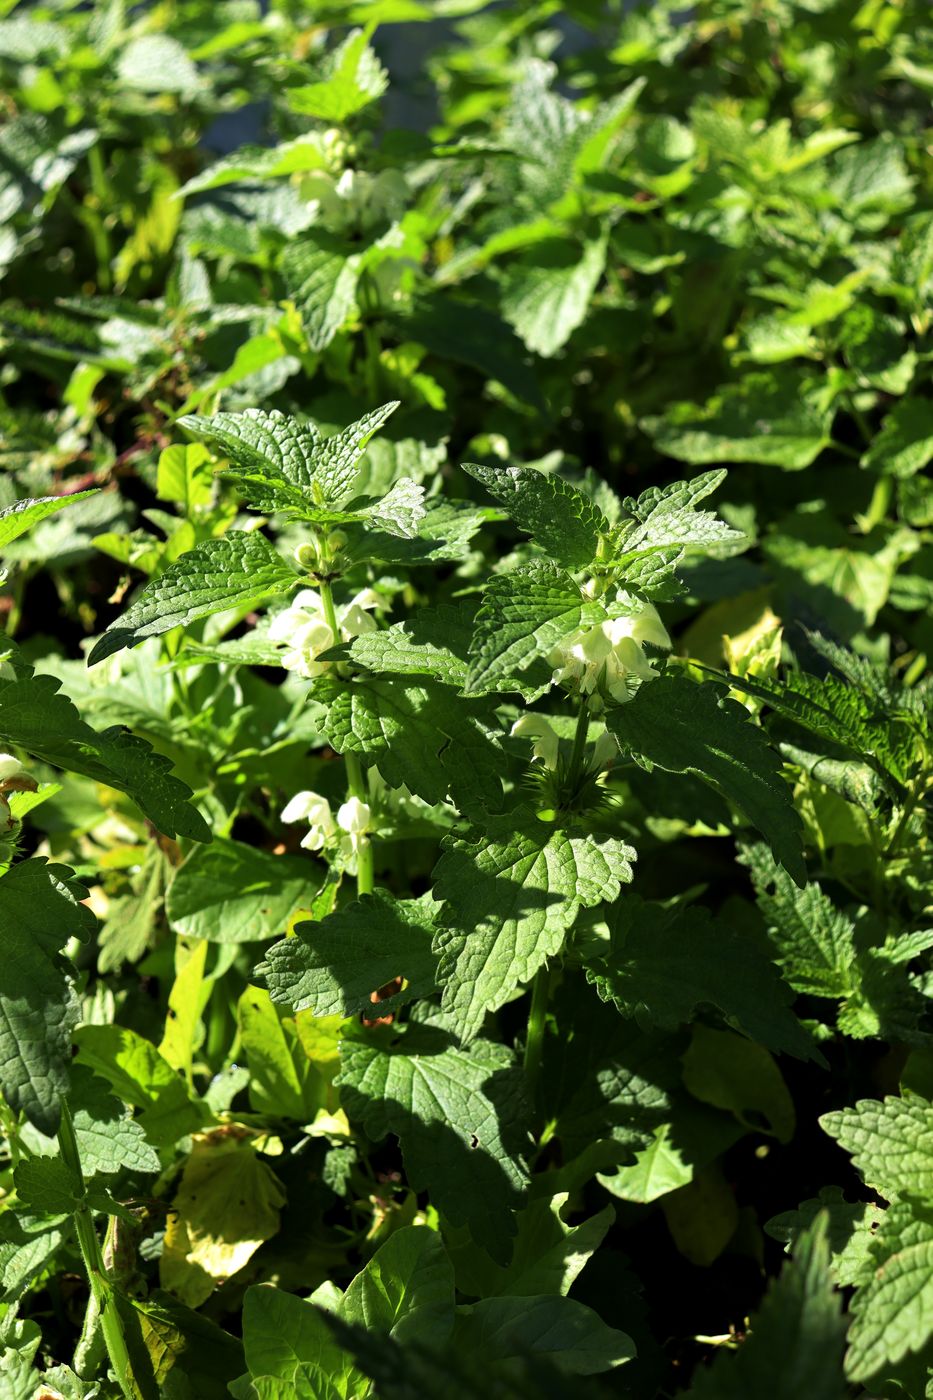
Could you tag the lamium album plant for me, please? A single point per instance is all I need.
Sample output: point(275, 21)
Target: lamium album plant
point(466, 729)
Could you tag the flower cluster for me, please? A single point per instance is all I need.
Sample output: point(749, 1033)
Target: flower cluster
point(304, 630)
point(346, 834)
point(608, 660)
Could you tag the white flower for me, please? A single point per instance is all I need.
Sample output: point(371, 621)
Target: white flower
point(605, 751)
point(10, 767)
point(314, 809)
point(354, 819)
point(609, 657)
point(546, 742)
point(306, 633)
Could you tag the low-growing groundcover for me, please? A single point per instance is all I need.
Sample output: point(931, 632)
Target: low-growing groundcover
point(466, 893)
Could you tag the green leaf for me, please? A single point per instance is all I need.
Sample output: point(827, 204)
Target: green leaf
point(237, 571)
point(664, 521)
point(661, 964)
point(523, 615)
point(334, 966)
point(512, 892)
point(460, 1116)
point(890, 1143)
point(399, 512)
point(779, 419)
point(290, 1350)
point(737, 1075)
point(28, 1245)
point(185, 475)
point(283, 1080)
point(569, 1334)
point(563, 521)
point(546, 295)
point(851, 1229)
point(794, 1347)
point(893, 1312)
point(406, 1289)
point(16, 519)
point(139, 1075)
point(354, 77)
point(432, 642)
point(686, 728)
point(40, 911)
point(418, 735)
point(548, 1255)
point(321, 278)
point(904, 444)
point(229, 892)
point(108, 1136)
point(37, 717)
point(176, 1351)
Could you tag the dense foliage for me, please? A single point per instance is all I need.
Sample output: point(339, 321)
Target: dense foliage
point(466, 888)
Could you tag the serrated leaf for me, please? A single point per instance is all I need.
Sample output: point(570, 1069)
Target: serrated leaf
point(891, 1143)
point(512, 893)
point(399, 512)
point(418, 735)
point(794, 1347)
point(851, 1229)
point(289, 1349)
point(812, 939)
point(546, 295)
point(36, 716)
point(460, 1116)
point(321, 278)
point(893, 1312)
point(686, 728)
point(565, 522)
point(354, 77)
point(40, 910)
point(664, 521)
point(432, 642)
point(238, 570)
point(229, 892)
point(904, 444)
point(523, 615)
point(16, 519)
point(334, 967)
point(338, 458)
point(661, 964)
point(108, 1136)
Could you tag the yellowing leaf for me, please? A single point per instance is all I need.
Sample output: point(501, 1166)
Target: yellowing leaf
point(227, 1205)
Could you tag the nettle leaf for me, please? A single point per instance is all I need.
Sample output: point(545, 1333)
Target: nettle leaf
point(686, 728)
point(353, 77)
point(661, 525)
point(661, 964)
point(893, 1312)
point(229, 892)
point(334, 967)
point(400, 511)
point(891, 1143)
point(545, 296)
point(419, 736)
point(780, 419)
point(321, 278)
point(870, 729)
point(523, 615)
point(851, 1228)
point(813, 940)
point(561, 519)
point(238, 570)
point(512, 893)
point(16, 519)
point(461, 1119)
point(40, 910)
point(432, 642)
point(139, 1075)
point(794, 1347)
point(108, 1136)
point(37, 717)
point(904, 444)
point(300, 469)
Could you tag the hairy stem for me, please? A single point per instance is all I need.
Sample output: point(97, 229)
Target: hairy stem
point(537, 1021)
point(102, 1292)
point(579, 749)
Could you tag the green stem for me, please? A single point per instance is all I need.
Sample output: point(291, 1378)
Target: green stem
point(579, 749)
point(907, 811)
point(101, 1290)
point(537, 1021)
point(330, 612)
point(356, 786)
